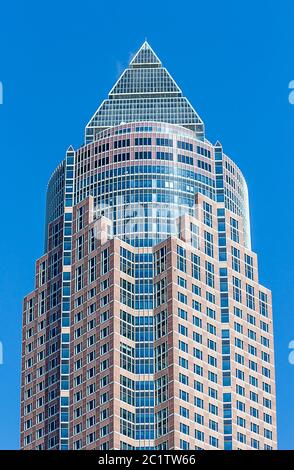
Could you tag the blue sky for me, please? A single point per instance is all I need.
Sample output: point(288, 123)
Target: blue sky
point(233, 60)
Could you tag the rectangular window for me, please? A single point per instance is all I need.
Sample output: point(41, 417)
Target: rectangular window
point(208, 243)
point(235, 259)
point(203, 151)
point(263, 304)
point(248, 266)
point(143, 155)
point(250, 302)
point(121, 157)
point(164, 156)
point(207, 214)
point(164, 142)
point(92, 270)
point(181, 259)
point(185, 159)
point(185, 146)
point(105, 266)
point(143, 141)
point(117, 144)
point(234, 229)
point(237, 289)
point(209, 274)
point(160, 260)
point(204, 165)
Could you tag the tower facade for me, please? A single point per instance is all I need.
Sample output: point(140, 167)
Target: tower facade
point(147, 327)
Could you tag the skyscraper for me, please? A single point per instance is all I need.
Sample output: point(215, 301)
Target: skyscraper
point(147, 327)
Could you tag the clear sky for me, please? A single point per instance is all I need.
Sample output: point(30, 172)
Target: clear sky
point(234, 61)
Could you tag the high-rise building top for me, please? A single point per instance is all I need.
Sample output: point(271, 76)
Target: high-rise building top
point(145, 92)
point(147, 327)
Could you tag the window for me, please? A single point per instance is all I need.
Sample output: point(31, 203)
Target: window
point(248, 266)
point(54, 294)
point(104, 300)
point(92, 270)
point(182, 282)
point(184, 395)
point(80, 218)
point(184, 428)
point(185, 146)
point(182, 298)
point(203, 151)
point(80, 248)
point(91, 240)
point(181, 258)
point(127, 290)
point(235, 259)
point(160, 324)
point(207, 214)
point(182, 314)
point(234, 229)
point(160, 260)
point(161, 389)
point(102, 148)
point(160, 292)
point(161, 420)
point(143, 141)
point(195, 240)
point(195, 266)
point(204, 165)
point(105, 261)
point(164, 156)
point(42, 273)
point(263, 304)
point(121, 143)
point(184, 412)
point(209, 274)
point(241, 437)
point(121, 157)
point(127, 261)
point(41, 306)
point(237, 289)
point(164, 142)
point(213, 441)
point(208, 243)
point(184, 445)
point(143, 155)
point(161, 359)
point(250, 302)
point(104, 284)
point(79, 278)
point(185, 159)
point(199, 435)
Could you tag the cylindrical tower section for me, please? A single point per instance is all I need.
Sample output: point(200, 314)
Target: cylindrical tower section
point(54, 197)
point(144, 175)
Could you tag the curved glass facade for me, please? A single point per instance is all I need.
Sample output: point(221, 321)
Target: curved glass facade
point(143, 176)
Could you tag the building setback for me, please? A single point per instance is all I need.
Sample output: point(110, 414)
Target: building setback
point(147, 327)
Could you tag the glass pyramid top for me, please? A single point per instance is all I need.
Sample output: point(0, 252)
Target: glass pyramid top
point(145, 91)
point(145, 55)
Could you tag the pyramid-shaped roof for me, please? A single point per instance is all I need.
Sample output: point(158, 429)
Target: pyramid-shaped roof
point(145, 91)
point(145, 56)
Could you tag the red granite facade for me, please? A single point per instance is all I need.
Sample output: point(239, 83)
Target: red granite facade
point(188, 335)
point(148, 327)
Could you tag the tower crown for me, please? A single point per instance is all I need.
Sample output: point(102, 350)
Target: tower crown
point(145, 91)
